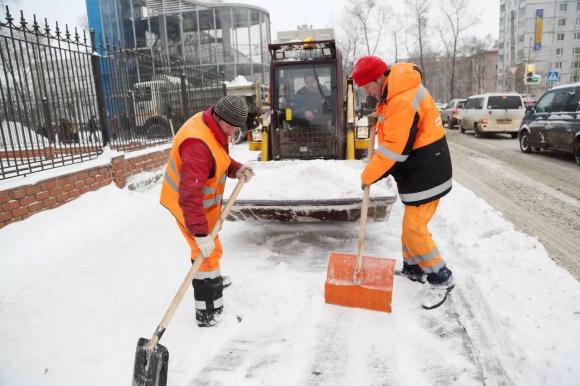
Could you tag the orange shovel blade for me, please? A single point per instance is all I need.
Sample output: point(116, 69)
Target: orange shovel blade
point(373, 290)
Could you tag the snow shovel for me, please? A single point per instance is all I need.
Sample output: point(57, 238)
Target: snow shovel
point(151, 358)
point(356, 280)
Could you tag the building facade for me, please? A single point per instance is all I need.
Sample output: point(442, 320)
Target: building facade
point(219, 37)
point(542, 33)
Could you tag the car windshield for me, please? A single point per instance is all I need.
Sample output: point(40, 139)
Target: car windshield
point(460, 104)
point(504, 102)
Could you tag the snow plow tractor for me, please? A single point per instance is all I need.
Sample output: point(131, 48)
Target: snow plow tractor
point(311, 143)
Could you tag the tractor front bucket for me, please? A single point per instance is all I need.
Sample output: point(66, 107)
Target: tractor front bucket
point(346, 209)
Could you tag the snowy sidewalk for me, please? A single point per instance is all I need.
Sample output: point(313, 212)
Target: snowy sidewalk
point(80, 284)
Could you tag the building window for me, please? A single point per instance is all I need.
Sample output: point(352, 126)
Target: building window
point(574, 78)
point(577, 20)
point(521, 38)
point(576, 35)
point(576, 50)
point(564, 7)
point(558, 65)
point(578, 6)
point(560, 51)
point(560, 36)
point(561, 22)
point(501, 45)
point(576, 64)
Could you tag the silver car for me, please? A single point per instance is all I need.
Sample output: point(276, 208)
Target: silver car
point(451, 114)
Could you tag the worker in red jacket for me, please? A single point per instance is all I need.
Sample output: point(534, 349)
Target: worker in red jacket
point(413, 149)
point(193, 188)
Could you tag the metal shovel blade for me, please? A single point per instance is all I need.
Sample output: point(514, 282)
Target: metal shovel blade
point(374, 291)
point(150, 366)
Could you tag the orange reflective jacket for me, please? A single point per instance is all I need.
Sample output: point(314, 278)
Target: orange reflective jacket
point(412, 145)
point(214, 188)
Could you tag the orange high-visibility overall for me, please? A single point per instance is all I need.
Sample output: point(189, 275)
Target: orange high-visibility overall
point(212, 191)
point(413, 149)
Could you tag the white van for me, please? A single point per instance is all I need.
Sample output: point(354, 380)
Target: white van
point(493, 113)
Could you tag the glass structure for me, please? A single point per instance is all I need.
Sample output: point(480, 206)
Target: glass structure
point(218, 37)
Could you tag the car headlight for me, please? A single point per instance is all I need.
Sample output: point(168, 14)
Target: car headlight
point(362, 132)
point(256, 135)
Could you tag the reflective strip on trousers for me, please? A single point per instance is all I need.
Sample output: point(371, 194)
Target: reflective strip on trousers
point(417, 259)
point(419, 196)
point(391, 154)
point(199, 275)
point(201, 305)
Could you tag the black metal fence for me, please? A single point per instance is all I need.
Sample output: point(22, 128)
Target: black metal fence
point(63, 98)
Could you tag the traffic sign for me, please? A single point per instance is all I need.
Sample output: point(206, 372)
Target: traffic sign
point(553, 76)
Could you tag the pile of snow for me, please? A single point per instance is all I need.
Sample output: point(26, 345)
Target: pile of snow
point(308, 180)
point(239, 81)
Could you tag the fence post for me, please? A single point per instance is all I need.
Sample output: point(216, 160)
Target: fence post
point(48, 120)
point(97, 77)
point(184, 101)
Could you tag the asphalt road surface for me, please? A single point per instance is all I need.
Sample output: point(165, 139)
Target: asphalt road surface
point(538, 193)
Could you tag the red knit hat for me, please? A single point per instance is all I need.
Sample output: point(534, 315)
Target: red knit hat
point(368, 69)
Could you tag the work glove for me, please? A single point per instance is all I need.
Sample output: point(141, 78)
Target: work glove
point(205, 244)
point(372, 119)
point(245, 171)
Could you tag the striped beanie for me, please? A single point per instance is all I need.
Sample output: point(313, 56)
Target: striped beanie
point(233, 110)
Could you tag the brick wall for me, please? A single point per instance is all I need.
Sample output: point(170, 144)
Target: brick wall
point(22, 202)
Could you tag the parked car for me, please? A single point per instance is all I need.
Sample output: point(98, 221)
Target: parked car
point(451, 114)
point(493, 113)
point(553, 123)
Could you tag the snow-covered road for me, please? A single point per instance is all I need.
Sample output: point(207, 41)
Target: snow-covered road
point(80, 284)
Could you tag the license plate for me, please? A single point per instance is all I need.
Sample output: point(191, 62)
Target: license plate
point(504, 121)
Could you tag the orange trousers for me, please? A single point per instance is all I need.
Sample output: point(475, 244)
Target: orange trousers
point(210, 263)
point(418, 245)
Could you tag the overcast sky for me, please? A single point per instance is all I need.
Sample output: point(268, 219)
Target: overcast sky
point(285, 15)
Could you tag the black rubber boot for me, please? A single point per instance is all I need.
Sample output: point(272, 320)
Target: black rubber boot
point(413, 272)
point(208, 301)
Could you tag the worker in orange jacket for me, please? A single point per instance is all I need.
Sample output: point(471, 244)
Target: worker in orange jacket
point(413, 149)
point(192, 190)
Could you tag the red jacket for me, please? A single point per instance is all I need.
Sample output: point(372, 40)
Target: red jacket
point(197, 165)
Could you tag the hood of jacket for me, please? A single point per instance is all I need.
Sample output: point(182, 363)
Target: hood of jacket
point(402, 77)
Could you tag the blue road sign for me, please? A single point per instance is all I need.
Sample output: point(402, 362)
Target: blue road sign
point(553, 76)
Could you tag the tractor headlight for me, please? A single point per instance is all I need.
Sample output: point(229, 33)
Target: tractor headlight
point(256, 135)
point(362, 132)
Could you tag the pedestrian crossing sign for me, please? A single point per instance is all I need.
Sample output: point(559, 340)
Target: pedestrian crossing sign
point(553, 76)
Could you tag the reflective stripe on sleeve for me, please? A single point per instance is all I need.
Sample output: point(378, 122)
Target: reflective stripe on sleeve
point(170, 182)
point(421, 92)
point(391, 154)
point(419, 196)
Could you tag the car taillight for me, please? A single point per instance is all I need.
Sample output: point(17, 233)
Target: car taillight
point(484, 121)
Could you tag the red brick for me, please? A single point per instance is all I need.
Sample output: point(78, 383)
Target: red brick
point(42, 196)
point(36, 207)
point(5, 216)
point(18, 193)
point(48, 202)
point(27, 201)
point(32, 190)
point(19, 212)
point(47, 185)
point(4, 198)
point(62, 197)
point(10, 205)
point(80, 183)
point(56, 191)
point(85, 189)
point(59, 182)
point(68, 187)
point(74, 193)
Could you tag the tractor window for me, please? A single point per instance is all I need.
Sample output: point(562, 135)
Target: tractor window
point(142, 94)
point(309, 93)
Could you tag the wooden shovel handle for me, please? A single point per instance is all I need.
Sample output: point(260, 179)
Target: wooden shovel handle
point(193, 270)
point(364, 214)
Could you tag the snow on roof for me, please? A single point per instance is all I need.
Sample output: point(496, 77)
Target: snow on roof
point(239, 81)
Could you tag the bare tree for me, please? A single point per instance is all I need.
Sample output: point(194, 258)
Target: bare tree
point(418, 12)
point(458, 17)
point(370, 20)
point(349, 38)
